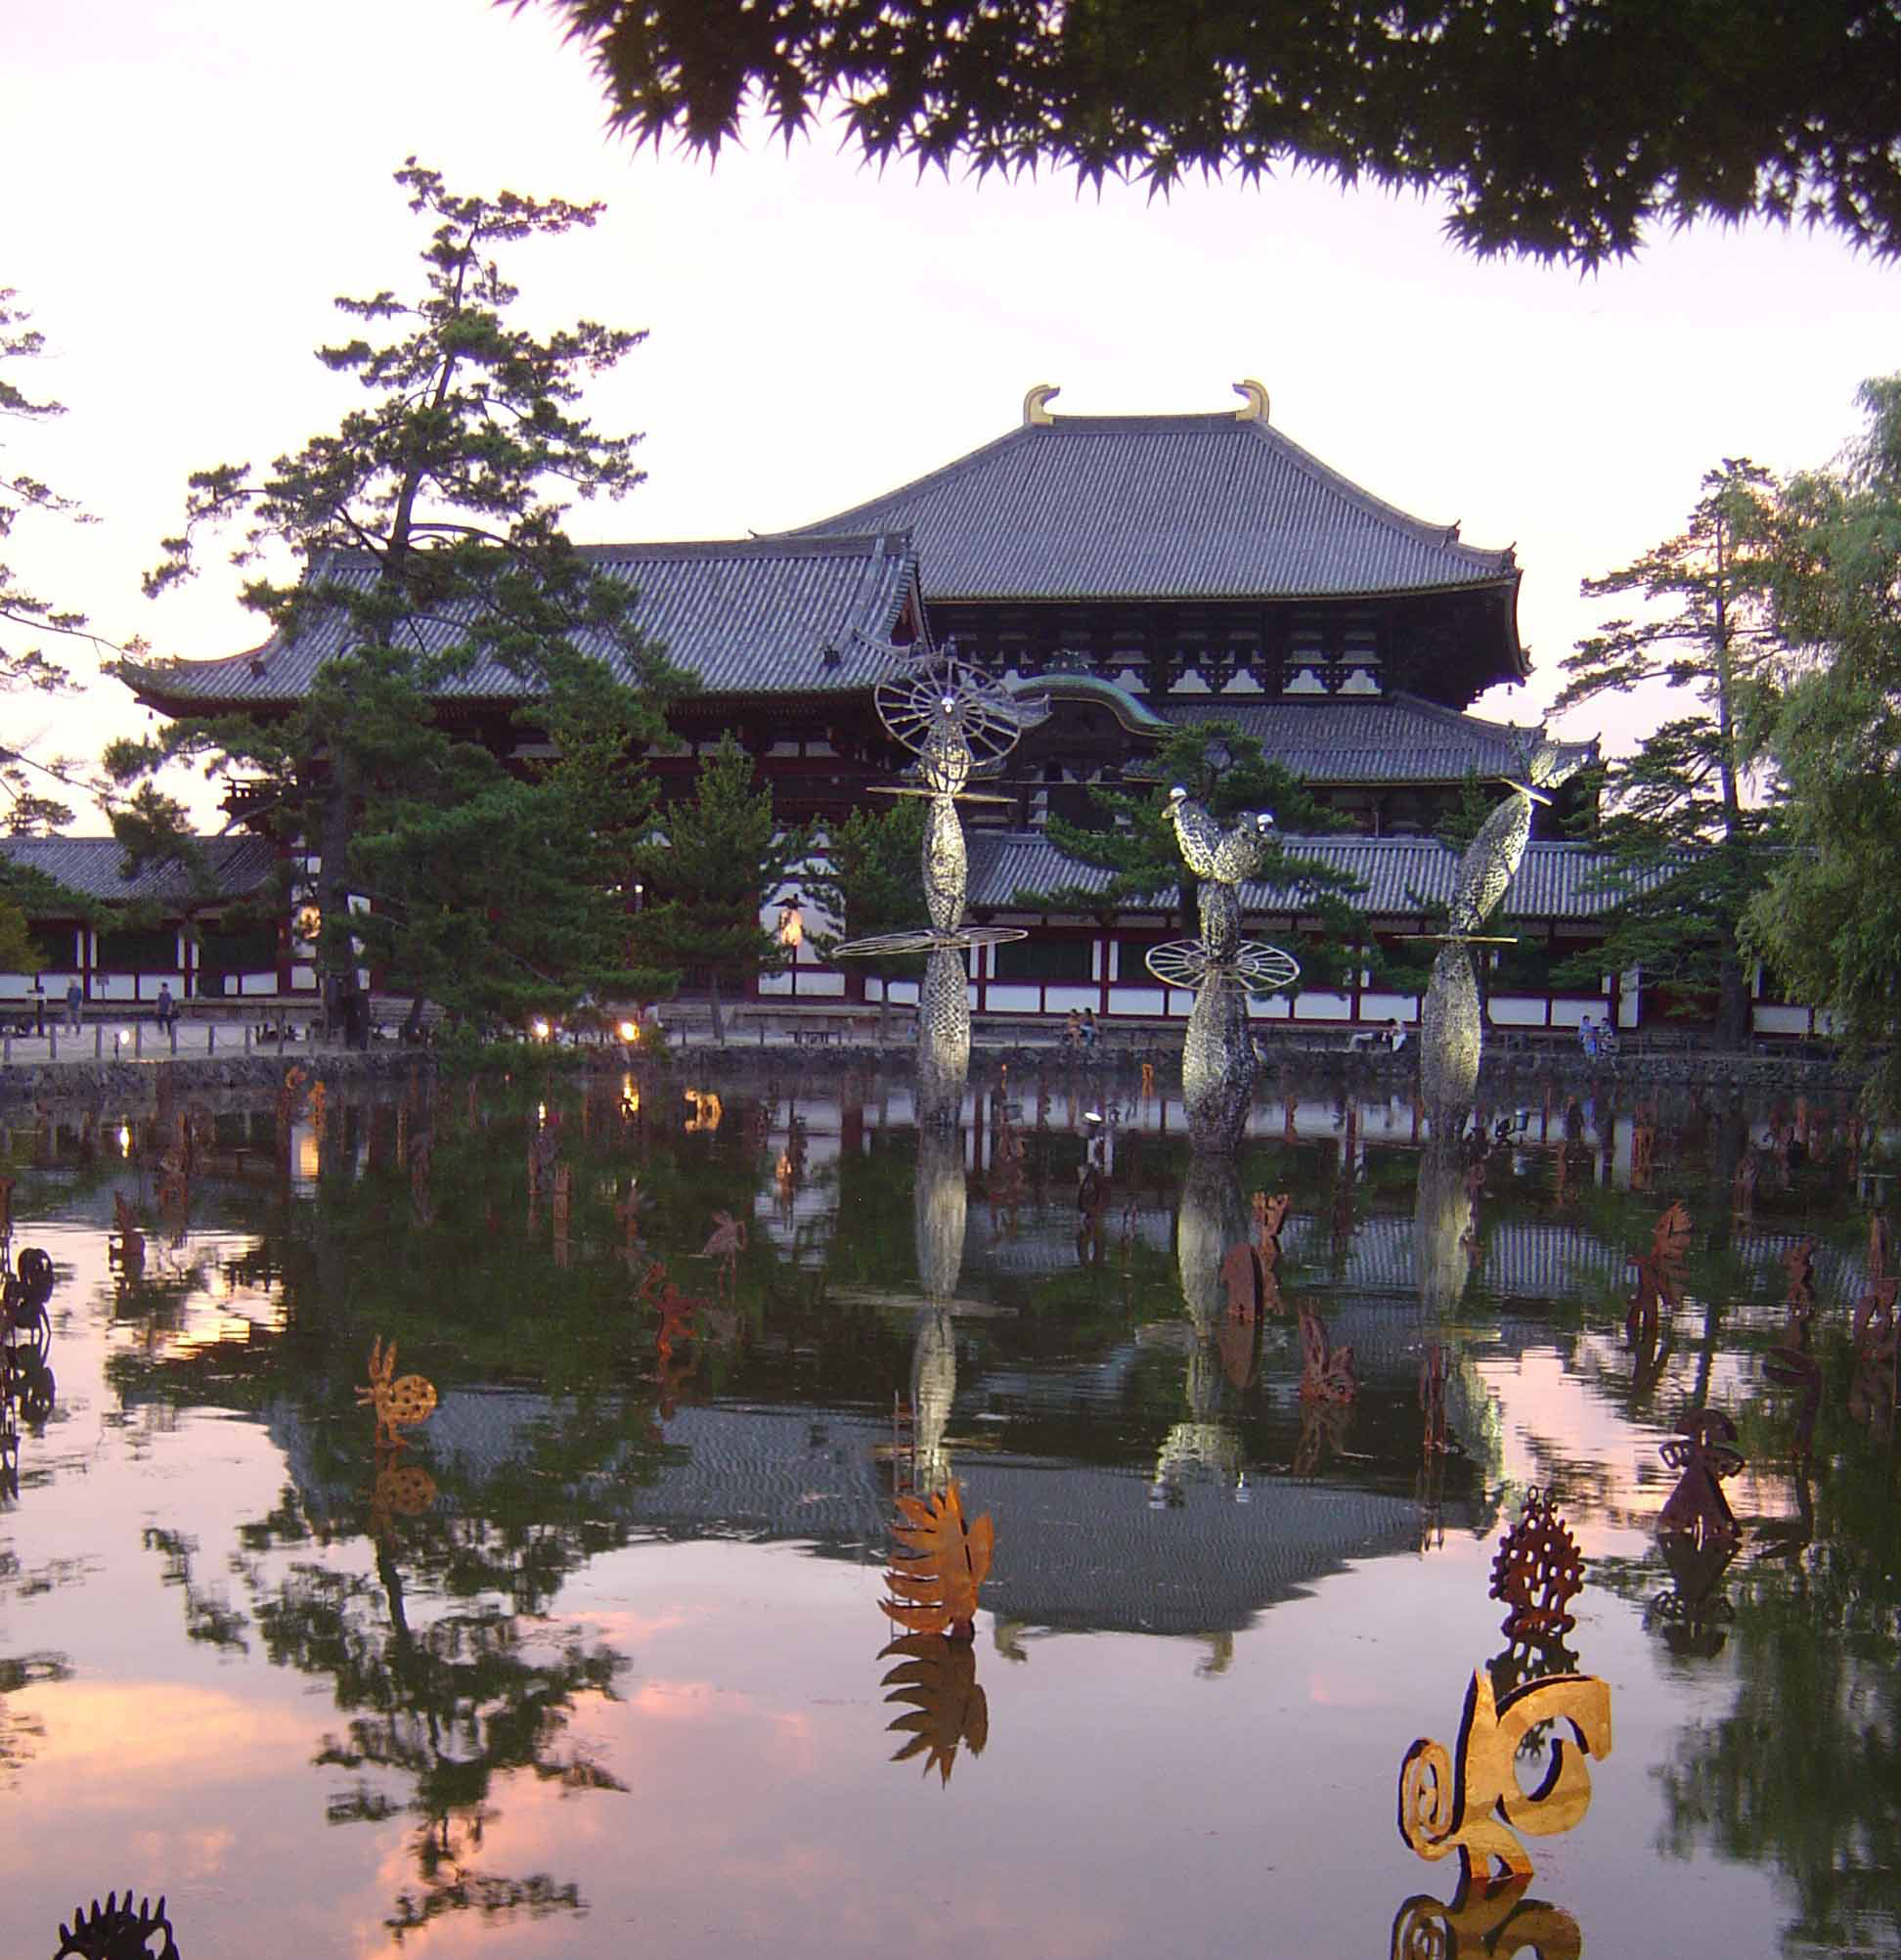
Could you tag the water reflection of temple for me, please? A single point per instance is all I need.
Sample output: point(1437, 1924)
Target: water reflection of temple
point(1113, 1455)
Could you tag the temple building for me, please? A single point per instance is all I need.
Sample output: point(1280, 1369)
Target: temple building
point(1144, 573)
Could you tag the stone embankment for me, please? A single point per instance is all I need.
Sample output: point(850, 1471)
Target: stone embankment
point(136, 1084)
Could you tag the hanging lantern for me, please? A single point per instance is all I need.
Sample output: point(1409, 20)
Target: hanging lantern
point(791, 923)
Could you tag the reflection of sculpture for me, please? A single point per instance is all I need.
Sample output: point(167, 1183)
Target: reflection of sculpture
point(1480, 1809)
point(1659, 1273)
point(1695, 1614)
point(1451, 1036)
point(400, 1404)
point(1210, 1221)
point(1217, 1059)
point(116, 1930)
point(1327, 1372)
point(1871, 1392)
point(1443, 1224)
point(938, 1681)
point(1493, 1922)
point(1537, 1572)
point(727, 1242)
point(956, 721)
point(1704, 1451)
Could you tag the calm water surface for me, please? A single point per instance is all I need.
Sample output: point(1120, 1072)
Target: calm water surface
point(594, 1662)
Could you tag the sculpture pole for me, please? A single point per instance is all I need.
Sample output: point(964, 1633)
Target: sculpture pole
point(1451, 1031)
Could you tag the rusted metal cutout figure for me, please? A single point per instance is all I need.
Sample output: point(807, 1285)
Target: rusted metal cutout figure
point(1477, 1807)
point(119, 1931)
point(400, 1402)
point(1538, 1572)
point(1705, 1453)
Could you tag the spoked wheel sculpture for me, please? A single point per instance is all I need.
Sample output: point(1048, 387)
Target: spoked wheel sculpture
point(959, 722)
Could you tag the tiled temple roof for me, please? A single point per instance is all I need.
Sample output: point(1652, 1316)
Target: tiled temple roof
point(1403, 877)
point(752, 615)
point(93, 868)
point(1162, 507)
point(1399, 737)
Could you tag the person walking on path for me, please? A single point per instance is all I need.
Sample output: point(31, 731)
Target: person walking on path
point(75, 1000)
point(167, 1008)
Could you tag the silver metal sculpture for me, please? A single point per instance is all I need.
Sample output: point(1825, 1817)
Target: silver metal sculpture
point(1218, 1059)
point(1452, 1034)
point(959, 722)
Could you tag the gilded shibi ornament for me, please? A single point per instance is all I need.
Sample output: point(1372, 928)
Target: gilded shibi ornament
point(1452, 1034)
point(959, 722)
point(1537, 1573)
point(1218, 1059)
point(1477, 1807)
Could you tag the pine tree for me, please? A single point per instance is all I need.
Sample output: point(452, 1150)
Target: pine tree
point(1829, 917)
point(1687, 844)
point(28, 786)
point(1226, 770)
point(428, 546)
point(873, 881)
point(719, 860)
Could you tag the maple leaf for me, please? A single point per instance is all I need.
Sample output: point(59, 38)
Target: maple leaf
point(936, 1575)
point(938, 1679)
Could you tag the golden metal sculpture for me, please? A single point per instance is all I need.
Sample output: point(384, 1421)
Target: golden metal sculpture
point(1477, 1807)
point(400, 1402)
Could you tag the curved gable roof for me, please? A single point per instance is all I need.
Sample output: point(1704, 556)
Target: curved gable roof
point(1162, 507)
point(747, 615)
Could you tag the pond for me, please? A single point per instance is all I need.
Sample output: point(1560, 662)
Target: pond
point(578, 1643)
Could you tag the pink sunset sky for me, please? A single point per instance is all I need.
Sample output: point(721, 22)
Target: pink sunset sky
point(192, 182)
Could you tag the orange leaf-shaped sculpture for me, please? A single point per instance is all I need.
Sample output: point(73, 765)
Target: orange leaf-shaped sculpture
point(400, 1404)
point(938, 1681)
point(936, 1574)
point(1670, 1241)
